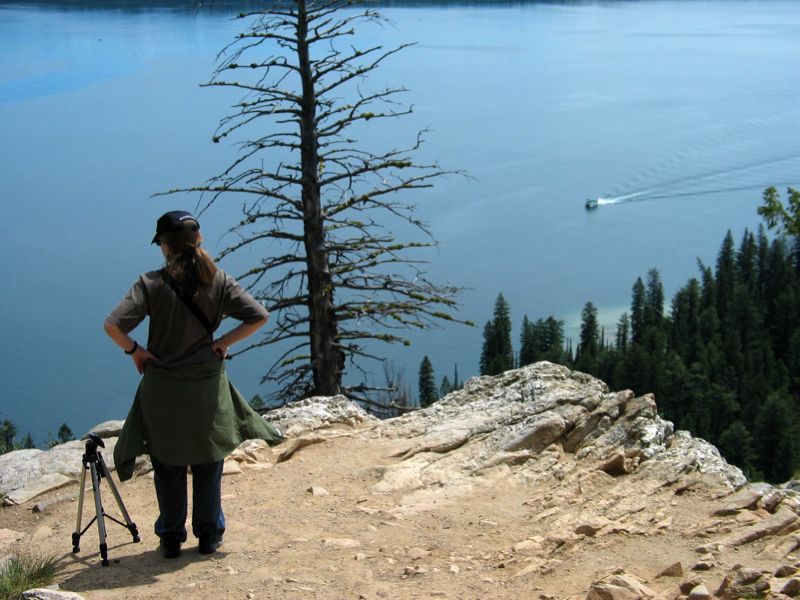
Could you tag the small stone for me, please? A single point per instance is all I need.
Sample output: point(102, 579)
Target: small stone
point(745, 576)
point(632, 584)
point(360, 556)
point(526, 546)
point(688, 584)
point(785, 571)
point(606, 591)
point(746, 517)
point(792, 587)
point(703, 566)
point(454, 569)
point(674, 570)
point(700, 592)
point(316, 490)
point(506, 563)
point(709, 548)
point(723, 586)
point(591, 528)
point(745, 498)
point(341, 543)
point(251, 596)
point(231, 467)
point(417, 553)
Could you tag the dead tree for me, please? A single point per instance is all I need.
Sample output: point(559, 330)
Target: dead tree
point(339, 280)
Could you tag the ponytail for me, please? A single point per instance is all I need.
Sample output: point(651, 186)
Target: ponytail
point(188, 263)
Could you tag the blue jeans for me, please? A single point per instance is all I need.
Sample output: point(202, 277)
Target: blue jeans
point(207, 517)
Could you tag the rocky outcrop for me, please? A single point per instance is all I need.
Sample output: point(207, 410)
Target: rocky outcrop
point(597, 463)
point(317, 413)
point(545, 420)
point(25, 474)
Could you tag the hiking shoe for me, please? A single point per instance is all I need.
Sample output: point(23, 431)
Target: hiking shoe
point(170, 547)
point(209, 543)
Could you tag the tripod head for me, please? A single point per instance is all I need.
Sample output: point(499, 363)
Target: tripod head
point(95, 441)
point(90, 455)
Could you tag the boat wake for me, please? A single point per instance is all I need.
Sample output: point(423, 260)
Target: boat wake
point(752, 176)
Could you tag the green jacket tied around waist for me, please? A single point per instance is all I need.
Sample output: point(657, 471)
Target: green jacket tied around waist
point(187, 415)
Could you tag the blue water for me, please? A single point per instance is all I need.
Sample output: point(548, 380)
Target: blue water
point(690, 105)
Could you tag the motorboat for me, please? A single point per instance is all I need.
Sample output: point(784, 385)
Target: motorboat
point(591, 203)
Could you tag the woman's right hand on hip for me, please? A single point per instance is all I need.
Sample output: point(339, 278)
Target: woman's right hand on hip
point(141, 357)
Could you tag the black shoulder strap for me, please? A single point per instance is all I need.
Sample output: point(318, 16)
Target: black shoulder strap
point(187, 300)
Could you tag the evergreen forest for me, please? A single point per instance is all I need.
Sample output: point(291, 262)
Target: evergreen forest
point(723, 361)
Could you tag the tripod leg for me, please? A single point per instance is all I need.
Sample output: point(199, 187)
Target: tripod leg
point(128, 523)
point(76, 537)
point(98, 507)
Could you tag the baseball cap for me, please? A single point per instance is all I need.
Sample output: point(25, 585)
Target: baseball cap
point(172, 221)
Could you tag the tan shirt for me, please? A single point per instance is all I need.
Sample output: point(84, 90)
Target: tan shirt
point(175, 335)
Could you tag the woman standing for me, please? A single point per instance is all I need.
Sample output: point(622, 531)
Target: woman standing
point(186, 412)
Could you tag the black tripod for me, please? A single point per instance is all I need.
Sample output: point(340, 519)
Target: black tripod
point(94, 463)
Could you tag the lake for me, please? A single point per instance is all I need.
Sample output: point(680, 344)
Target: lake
point(676, 113)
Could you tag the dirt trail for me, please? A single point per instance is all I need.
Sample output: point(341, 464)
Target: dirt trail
point(284, 542)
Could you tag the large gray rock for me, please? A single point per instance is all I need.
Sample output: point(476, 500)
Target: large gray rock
point(531, 418)
point(17, 468)
point(107, 429)
point(47, 594)
point(24, 472)
point(317, 412)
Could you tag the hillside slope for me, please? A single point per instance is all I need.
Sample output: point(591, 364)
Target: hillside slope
point(538, 483)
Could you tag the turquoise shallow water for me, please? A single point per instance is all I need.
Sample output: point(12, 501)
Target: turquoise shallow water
point(692, 107)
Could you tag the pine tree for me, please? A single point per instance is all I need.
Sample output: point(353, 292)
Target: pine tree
point(736, 445)
point(775, 438)
point(685, 321)
point(502, 327)
point(726, 280)
point(653, 313)
point(427, 384)
point(747, 263)
point(528, 350)
point(589, 347)
point(489, 348)
point(445, 387)
point(497, 354)
point(8, 431)
point(553, 342)
point(623, 333)
point(65, 434)
point(637, 311)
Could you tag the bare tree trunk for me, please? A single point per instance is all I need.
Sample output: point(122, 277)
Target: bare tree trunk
point(326, 360)
point(344, 282)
